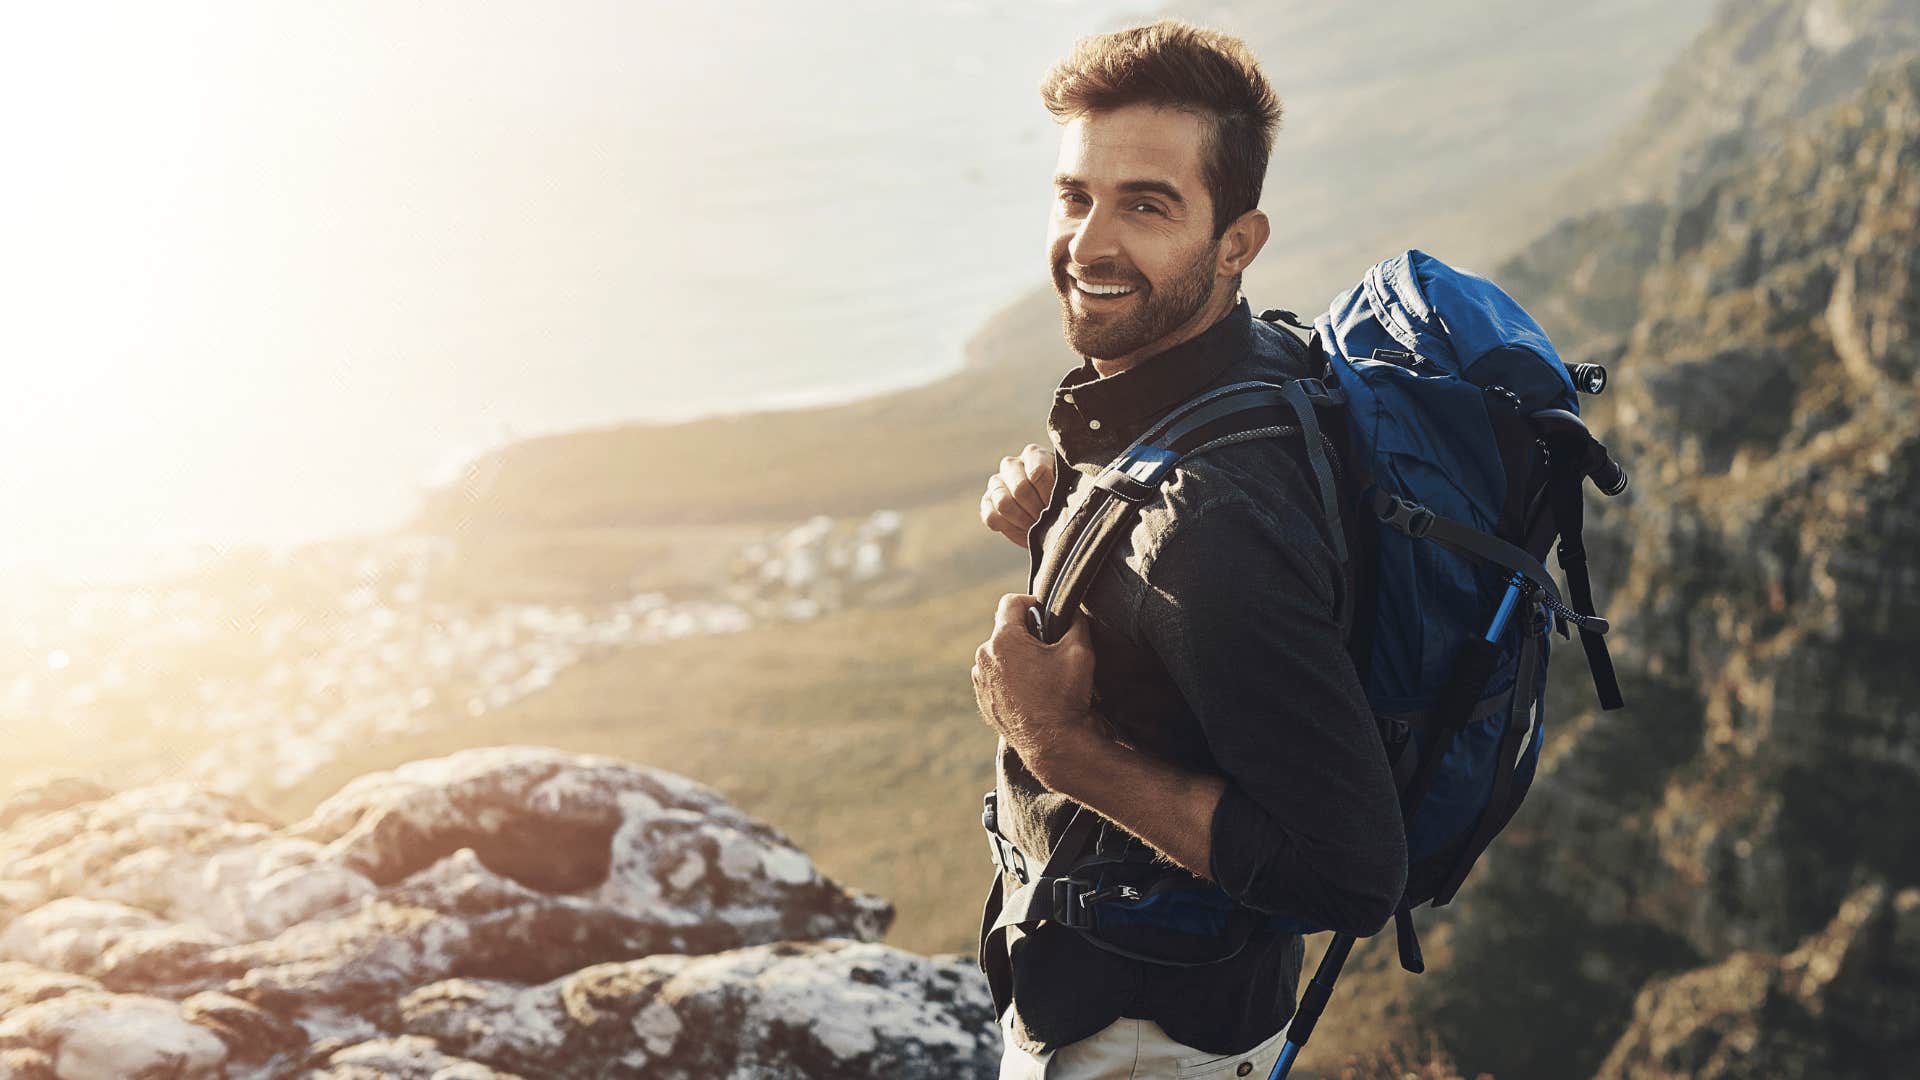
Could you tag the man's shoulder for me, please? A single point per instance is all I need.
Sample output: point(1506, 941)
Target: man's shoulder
point(1258, 485)
point(1263, 477)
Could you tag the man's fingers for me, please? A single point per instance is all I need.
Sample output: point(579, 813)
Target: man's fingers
point(1003, 513)
point(991, 517)
point(1013, 476)
point(1039, 462)
point(1010, 619)
point(1012, 608)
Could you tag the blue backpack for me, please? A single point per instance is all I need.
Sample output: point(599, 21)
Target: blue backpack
point(1457, 457)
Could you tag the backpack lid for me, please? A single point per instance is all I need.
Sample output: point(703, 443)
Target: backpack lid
point(1462, 323)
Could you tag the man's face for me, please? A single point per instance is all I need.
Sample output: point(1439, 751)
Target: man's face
point(1131, 209)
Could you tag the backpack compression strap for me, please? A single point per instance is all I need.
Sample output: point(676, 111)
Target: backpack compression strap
point(1566, 488)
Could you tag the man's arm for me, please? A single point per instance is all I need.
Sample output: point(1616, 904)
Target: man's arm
point(1239, 605)
point(1168, 807)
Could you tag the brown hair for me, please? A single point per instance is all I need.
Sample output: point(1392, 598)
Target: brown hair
point(1175, 64)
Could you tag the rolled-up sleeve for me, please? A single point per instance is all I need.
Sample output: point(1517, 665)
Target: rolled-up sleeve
point(1239, 604)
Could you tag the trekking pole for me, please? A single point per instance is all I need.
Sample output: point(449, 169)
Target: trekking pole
point(1320, 989)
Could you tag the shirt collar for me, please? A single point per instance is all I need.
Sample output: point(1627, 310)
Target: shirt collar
point(1096, 416)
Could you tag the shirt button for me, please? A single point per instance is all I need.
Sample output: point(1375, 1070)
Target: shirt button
point(1068, 398)
point(1245, 1068)
point(1094, 424)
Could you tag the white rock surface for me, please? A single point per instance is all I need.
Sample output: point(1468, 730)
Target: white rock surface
point(500, 912)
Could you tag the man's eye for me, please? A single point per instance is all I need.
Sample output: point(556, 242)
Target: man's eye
point(1154, 207)
point(1070, 196)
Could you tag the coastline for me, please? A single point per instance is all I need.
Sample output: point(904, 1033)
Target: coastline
point(134, 564)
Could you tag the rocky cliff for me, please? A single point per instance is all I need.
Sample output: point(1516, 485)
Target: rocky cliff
point(1764, 333)
point(508, 911)
point(1844, 1004)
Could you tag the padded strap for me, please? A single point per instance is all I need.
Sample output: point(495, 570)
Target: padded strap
point(1254, 396)
point(1066, 572)
point(1085, 541)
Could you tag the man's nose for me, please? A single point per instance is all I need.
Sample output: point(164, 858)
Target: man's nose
point(1095, 237)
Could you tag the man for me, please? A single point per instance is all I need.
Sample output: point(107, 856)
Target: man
point(1203, 702)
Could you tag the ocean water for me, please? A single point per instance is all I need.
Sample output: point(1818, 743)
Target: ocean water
point(280, 267)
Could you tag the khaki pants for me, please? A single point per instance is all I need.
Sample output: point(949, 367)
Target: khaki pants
point(1130, 1049)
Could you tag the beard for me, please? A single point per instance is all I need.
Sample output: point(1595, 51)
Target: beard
point(1151, 313)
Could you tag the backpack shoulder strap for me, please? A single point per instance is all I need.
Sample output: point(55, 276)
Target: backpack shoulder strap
point(1233, 413)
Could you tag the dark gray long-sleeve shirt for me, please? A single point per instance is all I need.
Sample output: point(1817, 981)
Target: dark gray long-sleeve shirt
point(1217, 647)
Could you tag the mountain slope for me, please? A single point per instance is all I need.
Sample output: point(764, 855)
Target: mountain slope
point(1763, 577)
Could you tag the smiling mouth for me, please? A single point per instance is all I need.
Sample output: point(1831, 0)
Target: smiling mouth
point(1096, 291)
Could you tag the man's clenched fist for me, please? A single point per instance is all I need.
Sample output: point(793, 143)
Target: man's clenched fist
point(1017, 494)
point(1039, 697)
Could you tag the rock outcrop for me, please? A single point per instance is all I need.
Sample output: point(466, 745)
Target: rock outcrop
point(506, 911)
point(1764, 336)
point(1844, 1005)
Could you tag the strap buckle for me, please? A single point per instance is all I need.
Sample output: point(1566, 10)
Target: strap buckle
point(1111, 892)
point(1005, 855)
point(1408, 517)
point(1008, 857)
point(1319, 392)
point(1073, 901)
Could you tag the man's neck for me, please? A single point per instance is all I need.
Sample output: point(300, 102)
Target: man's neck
point(1202, 321)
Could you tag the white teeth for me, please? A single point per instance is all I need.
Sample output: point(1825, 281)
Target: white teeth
point(1104, 290)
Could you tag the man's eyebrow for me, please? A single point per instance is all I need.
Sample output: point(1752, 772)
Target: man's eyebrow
point(1128, 187)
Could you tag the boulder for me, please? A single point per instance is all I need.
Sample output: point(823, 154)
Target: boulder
point(833, 1008)
point(499, 912)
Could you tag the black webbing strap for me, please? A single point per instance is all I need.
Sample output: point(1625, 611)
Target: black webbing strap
point(1298, 393)
point(1408, 941)
point(1052, 895)
point(1421, 523)
point(1000, 911)
point(1567, 493)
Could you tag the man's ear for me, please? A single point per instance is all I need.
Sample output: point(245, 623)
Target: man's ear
point(1242, 241)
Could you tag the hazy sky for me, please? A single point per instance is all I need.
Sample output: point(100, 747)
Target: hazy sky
point(266, 266)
